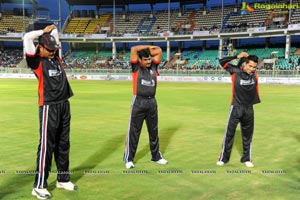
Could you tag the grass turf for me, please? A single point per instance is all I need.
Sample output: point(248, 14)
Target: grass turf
point(192, 119)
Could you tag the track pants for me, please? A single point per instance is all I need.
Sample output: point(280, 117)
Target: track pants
point(142, 108)
point(54, 138)
point(243, 114)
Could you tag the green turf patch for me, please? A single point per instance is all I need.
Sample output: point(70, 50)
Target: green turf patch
point(192, 120)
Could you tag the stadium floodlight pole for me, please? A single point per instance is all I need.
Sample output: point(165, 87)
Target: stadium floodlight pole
point(114, 15)
point(290, 11)
point(222, 14)
point(114, 21)
point(169, 6)
point(59, 14)
point(221, 40)
point(23, 4)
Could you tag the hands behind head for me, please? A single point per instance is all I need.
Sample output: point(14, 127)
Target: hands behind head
point(242, 54)
point(49, 28)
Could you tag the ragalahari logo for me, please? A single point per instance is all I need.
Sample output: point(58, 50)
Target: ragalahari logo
point(246, 8)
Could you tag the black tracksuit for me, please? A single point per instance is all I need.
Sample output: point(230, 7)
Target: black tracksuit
point(244, 95)
point(54, 114)
point(144, 107)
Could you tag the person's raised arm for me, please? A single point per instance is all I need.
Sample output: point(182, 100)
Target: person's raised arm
point(28, 41)
point(30, 36)
point(134, 52)
point(156, 53)
point(224, 62)
point(54, 33)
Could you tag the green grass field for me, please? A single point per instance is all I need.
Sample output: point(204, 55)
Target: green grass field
point(192, 119)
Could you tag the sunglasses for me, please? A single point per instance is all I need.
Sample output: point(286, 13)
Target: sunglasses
point(50, 50)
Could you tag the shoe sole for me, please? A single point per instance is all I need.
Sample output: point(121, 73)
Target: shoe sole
point(220, 164)
point(160, 163)
point(62, 187)
point(130, 167)
point(38, 196)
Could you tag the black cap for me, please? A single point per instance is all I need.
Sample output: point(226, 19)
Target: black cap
point(48, 41)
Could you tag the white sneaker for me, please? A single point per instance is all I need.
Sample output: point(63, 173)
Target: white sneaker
point(129, 165)
point(66, 185)
point(41, 193)
point(162, 161)
point(220, 163)
point(248, 164)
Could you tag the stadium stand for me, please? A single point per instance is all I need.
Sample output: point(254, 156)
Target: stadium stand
point(13, 23)
point(10, 57)
point(87, 25)
point(150, 23)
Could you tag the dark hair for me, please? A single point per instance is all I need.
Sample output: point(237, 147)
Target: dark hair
point(253, 58)
point(144, 53)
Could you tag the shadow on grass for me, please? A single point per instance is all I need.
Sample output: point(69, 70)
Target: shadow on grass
point(165, 136)
point(99, 156)
point(296, 136)
point(15, 183)
point(18, 181)
point(296, 173)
